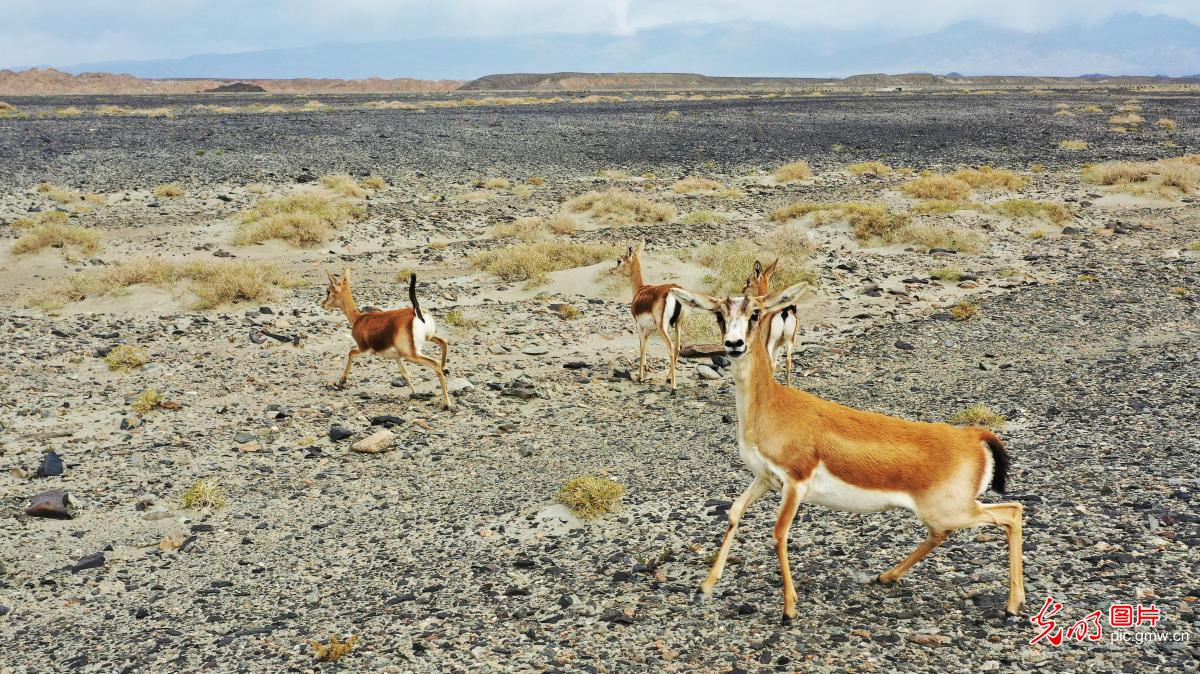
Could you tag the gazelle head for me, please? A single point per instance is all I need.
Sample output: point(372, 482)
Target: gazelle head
point(759, 281)
point(338, 290)
point(625, 262)
point(739, 316)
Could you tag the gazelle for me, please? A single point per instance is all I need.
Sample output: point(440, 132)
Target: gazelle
point(654, 309)
point(816, 451)
point(397, 335)
point(784, 324)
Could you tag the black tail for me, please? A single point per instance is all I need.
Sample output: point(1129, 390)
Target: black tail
point(1000, 462)
point(675, 314)
point(412, 295)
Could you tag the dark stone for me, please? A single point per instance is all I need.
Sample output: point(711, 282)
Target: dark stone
point(727, 418)
point(92, 561)
point(575, 365)
point(52, 504)
point(51, 465)
point(338, 433)
point(386, 420)
point(617, 617)
point(904, 346)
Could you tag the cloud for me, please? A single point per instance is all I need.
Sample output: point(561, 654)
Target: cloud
point(62, 33)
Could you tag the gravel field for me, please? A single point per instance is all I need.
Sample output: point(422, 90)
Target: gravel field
point(449, 552)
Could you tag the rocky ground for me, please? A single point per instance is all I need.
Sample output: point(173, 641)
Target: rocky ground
point(448, 553)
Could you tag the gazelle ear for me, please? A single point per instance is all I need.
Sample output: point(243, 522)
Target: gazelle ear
point(332, 278)
point(345, 274)
point(641, 247)
point(786, 296)
point(773, 267)
point(696, 300)
point(757, 268)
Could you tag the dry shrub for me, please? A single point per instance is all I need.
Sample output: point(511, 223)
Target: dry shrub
point(703, 218)
point(870, 221)
point(522, 191)
point(561, 224)
point(1166, 124)
point(964, 311)
point(213, 283)
point(986, 177)
point(590, 496)
point(872, 168)
point(267, 108)
point(1091, 108)
point(495, 183)
point(148, 401)
point(536, 181)
point(69, 111)
point(1050, 211)
point(692, 184)
point(952, 274)
point(392, 105)
point(169, 190)
point(1165, 177)
point(940, 187)
point(59, 194)
point(730, 193)
point(334, 650)
point(124, 358)
point(1073, 145)
point(1126, 119)
point(732, 262)
point(612, 174)
point(314, 105)
point(945, 237)
point(42, 218)
point(302, 219)
point(343, 185)
point(1064, 113)
point(527, 229)
point(58, 236)
point(793, 171)
point(940, 207)
point(533, 261)
point(7, 107)
point(374, 183)
point(620, 207)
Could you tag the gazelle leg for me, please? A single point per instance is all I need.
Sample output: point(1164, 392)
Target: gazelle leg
point(644, 337)
point(894, 574)
point(754, 492)
point(662, 332)
point(787, 513)
point(433, 365)
point(445, 348)
point(407, 377)
point(1009, 515)
point(349, 362)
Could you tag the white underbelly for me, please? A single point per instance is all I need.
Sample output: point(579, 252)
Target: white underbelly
point(826, 489)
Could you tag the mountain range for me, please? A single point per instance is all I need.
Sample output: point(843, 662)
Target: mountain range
point(1123, 44)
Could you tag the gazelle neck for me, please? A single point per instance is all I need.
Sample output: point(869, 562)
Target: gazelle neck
point(635, 273)
point(348, 306)
point(752, 377)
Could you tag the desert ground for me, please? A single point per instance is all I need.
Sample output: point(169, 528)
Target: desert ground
point(161, 276)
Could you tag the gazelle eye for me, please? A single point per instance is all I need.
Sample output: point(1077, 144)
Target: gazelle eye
point(754, 316)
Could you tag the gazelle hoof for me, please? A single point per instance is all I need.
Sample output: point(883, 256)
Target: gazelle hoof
point(786, 619)
point(701, 597)
point(883, 581)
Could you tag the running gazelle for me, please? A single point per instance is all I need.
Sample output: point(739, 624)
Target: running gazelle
point(397, 335)
point(817, 451)
point(654, 310)
point(783, 323)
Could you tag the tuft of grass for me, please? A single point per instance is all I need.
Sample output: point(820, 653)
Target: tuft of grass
point(527, 229)
point(56, 193)
point(334, 650)
point(374, 183)
point(793, 171)
point(302, 219)
point(1050, 211)
point(1165, 177)
point(168, 190)
point(1180, 291)
point(561, 224)
point(314, 105)
point(149, 400)
point(940, 187)
point(939, 207)
point(1166, 124)
point(986, 177)
point(612, 174)
point(495, 183)
point(1073, 145)
point(204, 495)
point(522, 191)
point(732, 262)
point(1037, 234)
point(568, 311)
point(1091, 108)
point(621, 207)
point(458, 319)
point(1126, 119)
point(124, 358)
point(58, 236)
point(214, 283)
point(978, 415)
point(1064, 113)
point(589, 496)
point(693, 184)
point(42, 218)
point(964, 311)
point(343, 185)
point(703, 218)
point(391, 105)
point(873, 168)
point(69, 111)
point(533, 261)
point(952, 274)
point(536, 181)
point(698, 327)
point(672, 115)
point(1194, 246)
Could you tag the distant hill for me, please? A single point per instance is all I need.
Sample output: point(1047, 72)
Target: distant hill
point(1124, 44)
point(629, 82)
point(48, 81)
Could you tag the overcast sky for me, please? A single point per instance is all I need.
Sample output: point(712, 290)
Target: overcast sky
point(66, 32)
